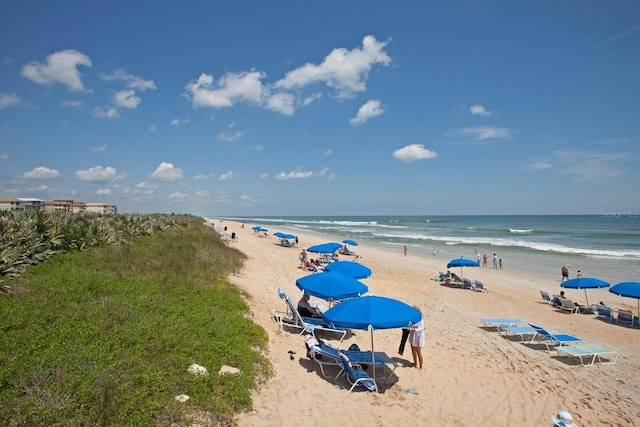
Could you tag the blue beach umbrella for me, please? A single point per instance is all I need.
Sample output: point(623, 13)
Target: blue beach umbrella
point(284, 235)
point(349, 268)
point(278, 234)
point(325, 248)
point(462, 262)
point(372, 312)
point(350, 242)
point(331, 286)
point(584, 283)
point(256, 228)
point(629, 290)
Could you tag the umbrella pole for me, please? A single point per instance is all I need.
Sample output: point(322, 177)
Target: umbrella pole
point(373, 359)
point(585, 297)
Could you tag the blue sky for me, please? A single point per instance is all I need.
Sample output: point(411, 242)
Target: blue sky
point(325, 108)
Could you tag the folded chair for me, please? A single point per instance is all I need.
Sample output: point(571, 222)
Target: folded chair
point(355, 375)
point(292, 318)
point(550, 339)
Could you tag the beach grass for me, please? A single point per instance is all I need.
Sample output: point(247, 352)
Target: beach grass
point(104, 337)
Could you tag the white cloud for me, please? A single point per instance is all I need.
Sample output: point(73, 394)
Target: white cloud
point(4, 156)
point(8, 100)
point(483, 133)
point(231, 88)
point(413, 152)
point(152, 127)
point(332, 177)
point(226, 176)
point(264, 175)
point(103, 192)
point(542, 164)
point(311, 98)
point(228, 138)
point(61, 67)
point(126, 98)
point(167, 172)
point(203, 194)
point(178, 122)
point(97, 174)
point(479, 110)
point(256, 147)
point(178, 195)
point(132, 82)
point(298, 174)
point(343, 70)
point(146, 186)
point(41, 172)
point(100, 148)
point(203, 176)
point(106, 113)
point(327, 153)
point(281, 102)
point(591, 166)
point(371, 108)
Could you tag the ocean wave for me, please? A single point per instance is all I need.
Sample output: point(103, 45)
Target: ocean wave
point(517, 231)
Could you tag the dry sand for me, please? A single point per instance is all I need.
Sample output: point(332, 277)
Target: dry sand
point(472, 376)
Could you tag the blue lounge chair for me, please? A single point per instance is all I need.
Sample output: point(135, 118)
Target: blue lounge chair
point(605, 313)
point(550, 339)
point(625, 317)
point(593, 351)
point(355, 375)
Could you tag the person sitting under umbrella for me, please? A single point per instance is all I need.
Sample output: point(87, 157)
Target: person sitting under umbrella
point(306, 309)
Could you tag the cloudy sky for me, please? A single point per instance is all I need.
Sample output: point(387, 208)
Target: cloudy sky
point(325, 108)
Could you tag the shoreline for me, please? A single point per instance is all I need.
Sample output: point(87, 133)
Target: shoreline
point(468, 369)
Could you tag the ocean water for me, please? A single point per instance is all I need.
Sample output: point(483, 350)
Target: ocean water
point(606, 246)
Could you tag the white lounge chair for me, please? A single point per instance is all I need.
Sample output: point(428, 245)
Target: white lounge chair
point(589, 351)
point(355, 375)
point(292, 318)
point(478, 286)
point(546, 298)
point(503, 323)
point(521, 331)
point(625, 317)
point(605, 313)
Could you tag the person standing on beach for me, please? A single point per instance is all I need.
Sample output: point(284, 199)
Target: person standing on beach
point(495, 262)
point(405, 250)
point(484, 260)
point(303, 258)
point(565, 272)
point(500, 263)
point(416, 339)
point(478, 257)
point(579, 276)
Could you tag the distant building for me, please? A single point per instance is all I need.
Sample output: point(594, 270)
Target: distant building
point(55, 205)
point(103, 208)
point(20, 204)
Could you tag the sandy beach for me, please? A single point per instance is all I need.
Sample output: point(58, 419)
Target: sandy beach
point(473, 376)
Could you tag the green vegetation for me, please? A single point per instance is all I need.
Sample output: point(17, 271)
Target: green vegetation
point(104, 337)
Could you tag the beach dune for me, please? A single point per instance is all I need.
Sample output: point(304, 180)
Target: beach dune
point(472, 376)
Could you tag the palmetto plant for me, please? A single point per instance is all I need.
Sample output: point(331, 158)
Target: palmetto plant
point(31, 237)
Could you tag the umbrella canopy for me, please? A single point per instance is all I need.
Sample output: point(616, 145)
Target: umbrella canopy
point(585, 283)
point(373, 312)
point(325, 248)
point(462, 262)
point(284, 235)
point(349, 268)
point(629, 290)
point(350, 242)
point(331, 286)
point(256, 227)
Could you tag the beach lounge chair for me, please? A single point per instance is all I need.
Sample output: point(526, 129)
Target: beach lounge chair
point(478, 286)
point(355, 375)
point(567, 305)
point(502, 323)
point(521, 331)
point(546, 298)
point(331, 356)
point(456, 278)
point(550, 339)
point(605, 313)
point(592, 351)
point(625, 317)
point(467, 283)
point(292, 318)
